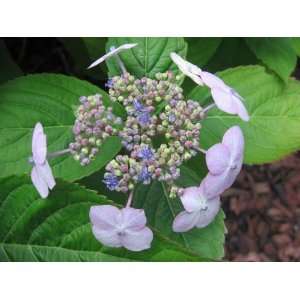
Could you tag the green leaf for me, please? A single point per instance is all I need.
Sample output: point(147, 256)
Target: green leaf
point(150, 56)
point(58, 228)
point(9, 69)
point(276, 53)
point(232, 52)
point(201, 49)
point(207, 242)
point(49, 99)
point(84, 51)
point(296, 45)
point(274, 108)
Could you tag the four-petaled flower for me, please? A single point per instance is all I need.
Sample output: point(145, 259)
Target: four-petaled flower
point(224, 162)
point(41, 173)
point(124, 227)
point(225, 98)
point(145, 153)
point(113, 51)
point(200, 210)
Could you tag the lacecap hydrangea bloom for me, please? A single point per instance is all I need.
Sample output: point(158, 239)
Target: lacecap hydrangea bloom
point(162, 131)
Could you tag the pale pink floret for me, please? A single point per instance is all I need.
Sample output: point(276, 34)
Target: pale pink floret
point(199, 211)
point(124, 227)
point(41, 173)
point(225, 98)
point(224, 162)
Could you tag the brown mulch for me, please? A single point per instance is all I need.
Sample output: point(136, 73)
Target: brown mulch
point(263, 213)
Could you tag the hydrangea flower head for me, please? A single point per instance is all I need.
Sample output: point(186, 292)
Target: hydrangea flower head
point(224, 162)
point(200, 210)
point(41, 173)
point(124, 227)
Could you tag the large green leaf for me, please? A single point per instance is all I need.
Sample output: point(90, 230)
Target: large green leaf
point(49, 99)
point(9, 69)
point(150, 56)
point(58, 228)
point(276, 53)
point(274, 108)
point(83, 52)
point(207, 242)
point(201, 49)
point(296, 45)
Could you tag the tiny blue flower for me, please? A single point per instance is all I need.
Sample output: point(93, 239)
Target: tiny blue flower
point(145, 175)
point(111, 181)
point(138, 106)
point(172, 118)
point(109, 84)
point(145, 153)
point(143, 118)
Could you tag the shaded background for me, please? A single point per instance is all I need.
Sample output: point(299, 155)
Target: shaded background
point(262, 208)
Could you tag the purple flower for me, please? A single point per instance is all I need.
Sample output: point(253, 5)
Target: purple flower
point(124, 227)
point(113, 51)
point(145, 153)
point(200, 210)
point(41, 173)
point(111, 181)
point(225, 98)
point(224, 162)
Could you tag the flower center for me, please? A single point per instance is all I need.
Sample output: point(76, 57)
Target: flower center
point(203, 203)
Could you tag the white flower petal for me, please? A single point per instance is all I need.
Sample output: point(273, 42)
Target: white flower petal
point(137, 240)
point(185, 221)
point(39, 183)
point(108, 238)
point(111, 53)
point(208, 215)
point(45, 172)
point(217, 158)
point(133, 218)
point(191, 199)
point(39, 144)
point(105, 217)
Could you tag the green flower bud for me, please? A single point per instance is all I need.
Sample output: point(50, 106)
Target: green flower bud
point(85, 150)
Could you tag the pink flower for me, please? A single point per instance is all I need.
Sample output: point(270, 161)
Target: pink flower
point(225, 98)
point(41, 174)
point(124, 227)
point(199, 209)
point(224, 162)
point(113, 51)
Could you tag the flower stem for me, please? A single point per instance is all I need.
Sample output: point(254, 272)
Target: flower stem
point(121, 64)
point(129, 199)
point(58, 153)
point(209, 107)
point(200, 150)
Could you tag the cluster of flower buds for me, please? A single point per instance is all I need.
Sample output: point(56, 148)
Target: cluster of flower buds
point(177, 123)
point(94, 123)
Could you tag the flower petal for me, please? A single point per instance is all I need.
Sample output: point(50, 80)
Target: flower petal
point(224, 100)
point(212, 81)
point(105, 217)
point(233, 139)
point(39, 183)
point(242, 111)
point(137, 240)
point(191, 199)
point(45, 172)
point(185, 221)
point(108, 238)
point(214, 185)
point(187, 68)
point(208, 215)
point(39, 144)
point(111, 53)
point(133, 219)
point(217, 159)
